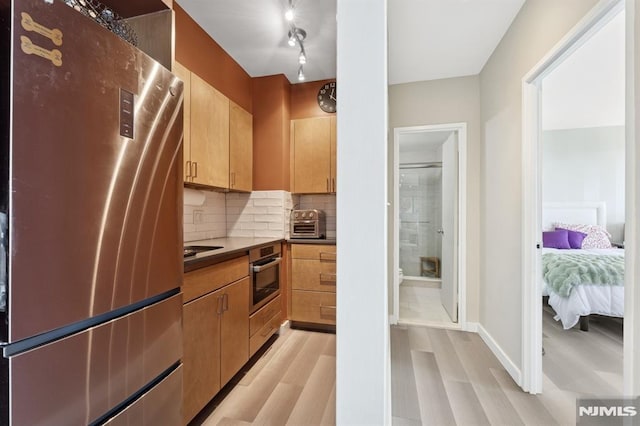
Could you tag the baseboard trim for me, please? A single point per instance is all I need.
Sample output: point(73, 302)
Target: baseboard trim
point(506, 362)
point(471, 327)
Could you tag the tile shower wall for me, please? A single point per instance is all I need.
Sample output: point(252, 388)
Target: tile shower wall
point(258, 214)
point(420, 217)
point(326, 203)
point(206, 220)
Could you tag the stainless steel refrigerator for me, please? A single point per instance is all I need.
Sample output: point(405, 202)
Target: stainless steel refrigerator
point(91, 254)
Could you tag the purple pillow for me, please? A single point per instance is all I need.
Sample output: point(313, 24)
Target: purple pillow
point(556, 239)
point(575, 237)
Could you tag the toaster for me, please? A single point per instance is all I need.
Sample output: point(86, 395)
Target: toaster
point(308, 224)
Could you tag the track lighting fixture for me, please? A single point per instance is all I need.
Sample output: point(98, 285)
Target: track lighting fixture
point(296, 36)
point(288, 15)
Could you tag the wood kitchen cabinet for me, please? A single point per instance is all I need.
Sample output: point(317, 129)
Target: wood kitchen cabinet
point(314, 155)
point(185, 75)
point(209, 135)
point(313, 283)
point(218, 136)
point(215, 330)
point(240, 149)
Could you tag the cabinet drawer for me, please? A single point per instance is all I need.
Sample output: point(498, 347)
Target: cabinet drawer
point(313, 306)
point(268, 329)
point(263, 315)
point(202, 281)
point(313, 251)
point(313, 275)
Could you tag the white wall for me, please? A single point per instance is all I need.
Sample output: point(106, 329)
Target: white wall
point(452, 100)
point(586, 164)
point(362, 348)
point(537, 28)
point(632, 266)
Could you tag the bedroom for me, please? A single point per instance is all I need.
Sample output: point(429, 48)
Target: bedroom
point(583, 214)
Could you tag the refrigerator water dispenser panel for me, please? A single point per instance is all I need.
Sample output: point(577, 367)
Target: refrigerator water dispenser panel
point(126, 113)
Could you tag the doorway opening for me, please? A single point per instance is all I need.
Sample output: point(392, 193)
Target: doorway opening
point(553, 202)
point(429, 225)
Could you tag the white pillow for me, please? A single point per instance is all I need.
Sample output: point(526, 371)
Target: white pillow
point(597, 236)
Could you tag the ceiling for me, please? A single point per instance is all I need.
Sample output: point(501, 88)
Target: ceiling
point(428, 39)
point(433, 39)
point(254, 33)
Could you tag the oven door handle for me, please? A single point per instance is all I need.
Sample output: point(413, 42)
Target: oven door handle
point(260, 268)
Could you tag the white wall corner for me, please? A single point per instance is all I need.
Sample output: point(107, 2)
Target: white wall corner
point(504, 359)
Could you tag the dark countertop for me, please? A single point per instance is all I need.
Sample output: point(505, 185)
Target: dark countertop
point(231, 247)
point(312, 241)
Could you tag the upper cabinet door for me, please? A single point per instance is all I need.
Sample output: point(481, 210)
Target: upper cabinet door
point(209, 135)
point(185, 75)
point(311, 139)
point(240, 149)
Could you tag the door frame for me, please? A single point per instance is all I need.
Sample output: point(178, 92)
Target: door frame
point(532, 373)
point(461, 243)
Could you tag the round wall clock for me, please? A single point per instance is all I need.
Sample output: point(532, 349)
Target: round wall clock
point(327, 96)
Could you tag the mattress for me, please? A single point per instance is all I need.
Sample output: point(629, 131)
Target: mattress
point(586, 299)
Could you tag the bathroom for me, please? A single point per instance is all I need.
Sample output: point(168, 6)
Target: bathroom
point(427, 186)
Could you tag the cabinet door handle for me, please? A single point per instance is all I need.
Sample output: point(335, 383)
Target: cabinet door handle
point(333, 184)
point(327, 256)
point(328, 278)
point(233, 179)
point(188, 167)
point(195, 166)
point(225, 302)
point(328, 311)
point(265, 334)
point(219, 305)
point(328, 189)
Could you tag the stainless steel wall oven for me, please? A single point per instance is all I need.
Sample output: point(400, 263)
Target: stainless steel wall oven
point(265, 274)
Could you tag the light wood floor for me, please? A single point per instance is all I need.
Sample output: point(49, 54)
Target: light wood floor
point(584, 363)
point(293, 383)
point(448, 377)
point(438, 377)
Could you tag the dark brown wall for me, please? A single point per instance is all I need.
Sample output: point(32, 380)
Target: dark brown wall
point(196, 50)
point(271, 114)
point(304, 102)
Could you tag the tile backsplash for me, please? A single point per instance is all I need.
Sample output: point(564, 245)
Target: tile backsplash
point(258, 214)
point(204, 218)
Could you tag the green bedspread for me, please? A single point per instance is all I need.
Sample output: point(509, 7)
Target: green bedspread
point(563, 271)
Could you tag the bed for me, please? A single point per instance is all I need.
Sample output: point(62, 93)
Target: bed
point(580, 281)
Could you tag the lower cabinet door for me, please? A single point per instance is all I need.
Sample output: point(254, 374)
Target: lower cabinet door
point(234, 329)
point(201, 359)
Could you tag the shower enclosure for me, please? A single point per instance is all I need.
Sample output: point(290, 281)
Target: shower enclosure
point(420, 211)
